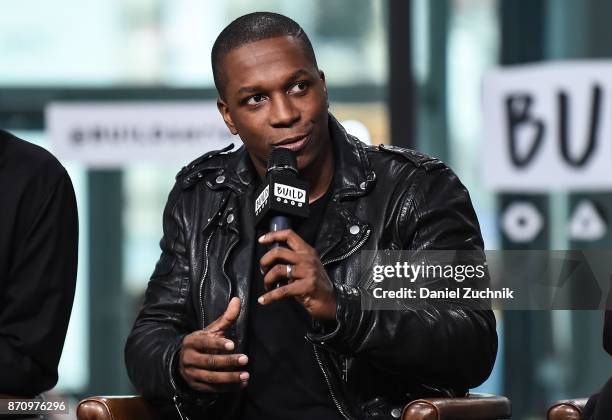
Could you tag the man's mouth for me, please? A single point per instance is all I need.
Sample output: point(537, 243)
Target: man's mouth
point(295, 144)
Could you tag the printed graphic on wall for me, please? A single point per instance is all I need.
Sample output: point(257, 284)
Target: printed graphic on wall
point(548, 127)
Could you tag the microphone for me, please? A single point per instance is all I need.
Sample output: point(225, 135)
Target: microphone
point(282, 196)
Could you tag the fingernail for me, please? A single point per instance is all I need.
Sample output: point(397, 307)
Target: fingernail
point(261, 300)
point(244, 376)
point(243, 360)
point(261, 238)
point(261, 271)
point(229, 345)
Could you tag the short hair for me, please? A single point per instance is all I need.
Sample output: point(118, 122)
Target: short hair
point(255, 27)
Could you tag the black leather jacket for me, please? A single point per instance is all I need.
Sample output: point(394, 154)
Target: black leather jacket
point(374, 361)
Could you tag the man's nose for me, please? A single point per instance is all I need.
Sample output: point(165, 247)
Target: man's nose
point(283, 113)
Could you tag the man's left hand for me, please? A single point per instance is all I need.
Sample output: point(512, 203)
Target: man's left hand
point(308, 282)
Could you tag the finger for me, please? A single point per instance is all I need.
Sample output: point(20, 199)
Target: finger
point(227, 319)
point(292, 289)
point(288, 236)
point(278, 273)
point(214, 361)
point(207, 388)
point(194, 379)
point(278, 255)
point(216, 378)
point(204, 342)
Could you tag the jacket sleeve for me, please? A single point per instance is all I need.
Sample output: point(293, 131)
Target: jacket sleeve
point(163, 321)
point(439, 342)
point(39, 289)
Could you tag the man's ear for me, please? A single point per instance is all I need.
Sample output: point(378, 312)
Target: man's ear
point(322, 77)
point(224, 111)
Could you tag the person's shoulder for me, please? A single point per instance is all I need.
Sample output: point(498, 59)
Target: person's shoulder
point(210, 162)
point(407, 168)
point(25, 160)
point(385, 155)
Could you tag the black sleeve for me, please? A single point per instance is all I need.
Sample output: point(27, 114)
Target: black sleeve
point(39, 292)
point(439, 342)
point(164, 319)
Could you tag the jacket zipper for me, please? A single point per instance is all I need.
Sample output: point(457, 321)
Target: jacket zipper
point(329, 386)
point(331, 391)
point(229, 282)
point(208, 223)
point(170, 373)
point(177, 405)
point(349, 253)
point(175, 398)
point(202, 295)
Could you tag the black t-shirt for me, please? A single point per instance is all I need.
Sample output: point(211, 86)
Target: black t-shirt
point(286, 381)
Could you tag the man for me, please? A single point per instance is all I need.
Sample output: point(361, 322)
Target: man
point(38, 265)
point(214, 334)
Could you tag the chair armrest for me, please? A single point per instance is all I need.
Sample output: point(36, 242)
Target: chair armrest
point(114, 408)
point(567, 409)
point(472, 407)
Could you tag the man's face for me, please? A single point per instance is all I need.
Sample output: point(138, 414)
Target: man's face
point(275, 96)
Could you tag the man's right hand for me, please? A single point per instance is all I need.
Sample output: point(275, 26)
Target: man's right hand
point(205, 361)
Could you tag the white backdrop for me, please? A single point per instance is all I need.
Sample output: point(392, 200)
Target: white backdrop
point(118, 133)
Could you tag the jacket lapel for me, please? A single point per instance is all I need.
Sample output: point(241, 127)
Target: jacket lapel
point(342, 231)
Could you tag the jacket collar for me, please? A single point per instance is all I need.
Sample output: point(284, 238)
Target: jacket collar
point(353, 175)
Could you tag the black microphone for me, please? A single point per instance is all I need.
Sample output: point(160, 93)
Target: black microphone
point(282, 196)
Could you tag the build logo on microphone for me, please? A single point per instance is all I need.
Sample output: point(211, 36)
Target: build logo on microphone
point(289, 195)
point(281, 195)
point(262, 199)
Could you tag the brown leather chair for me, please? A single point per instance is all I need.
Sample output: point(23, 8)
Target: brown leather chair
point(115, 408)
point(567, 409)
point(473, 407)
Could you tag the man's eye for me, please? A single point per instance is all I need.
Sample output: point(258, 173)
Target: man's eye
point(255, 99)
point(298, 87)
